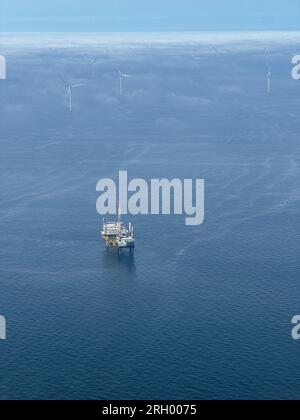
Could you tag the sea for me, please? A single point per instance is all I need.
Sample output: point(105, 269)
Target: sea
point(198, 312)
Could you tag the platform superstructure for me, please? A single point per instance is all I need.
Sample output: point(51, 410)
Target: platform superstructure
point(117, 235)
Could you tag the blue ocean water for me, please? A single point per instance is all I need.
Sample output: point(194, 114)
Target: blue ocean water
point(198, 312)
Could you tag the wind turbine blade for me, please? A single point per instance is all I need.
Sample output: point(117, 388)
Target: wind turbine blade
point(70, 100)
point(268, 59)
point(64, 82)
point(76, 86)
point(121, 86)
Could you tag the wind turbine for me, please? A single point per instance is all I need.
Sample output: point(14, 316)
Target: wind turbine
point(93, 61)
point(269, 74)
point(69, 89)
point(121, 77)
point(213, 48)
point(106, 53)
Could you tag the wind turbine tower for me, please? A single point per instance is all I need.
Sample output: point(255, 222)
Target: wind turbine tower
point(69, 89)
point(269, 74)
point(121, 77)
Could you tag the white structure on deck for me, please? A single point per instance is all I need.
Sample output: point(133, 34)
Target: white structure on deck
point(116, 235)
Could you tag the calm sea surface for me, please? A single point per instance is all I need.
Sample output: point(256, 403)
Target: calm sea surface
point(198, 312)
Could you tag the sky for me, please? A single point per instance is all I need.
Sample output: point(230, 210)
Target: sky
point(148, 16)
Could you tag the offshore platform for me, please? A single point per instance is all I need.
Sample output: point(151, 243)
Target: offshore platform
point(116, 235)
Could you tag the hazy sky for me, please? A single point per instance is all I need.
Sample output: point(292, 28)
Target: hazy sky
point(148, 15)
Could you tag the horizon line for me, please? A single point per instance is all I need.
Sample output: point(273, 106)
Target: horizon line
point(127, 38)
point(154, 31)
